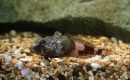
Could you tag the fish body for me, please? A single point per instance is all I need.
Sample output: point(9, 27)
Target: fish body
point(54, 46)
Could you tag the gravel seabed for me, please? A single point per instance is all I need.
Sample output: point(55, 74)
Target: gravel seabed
point(17, 62)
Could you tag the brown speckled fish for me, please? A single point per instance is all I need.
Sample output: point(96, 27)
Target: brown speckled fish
point(62, 45)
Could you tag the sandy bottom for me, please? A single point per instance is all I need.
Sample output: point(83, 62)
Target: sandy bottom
point(17, 62)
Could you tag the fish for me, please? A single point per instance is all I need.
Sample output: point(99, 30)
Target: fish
point(59, 45)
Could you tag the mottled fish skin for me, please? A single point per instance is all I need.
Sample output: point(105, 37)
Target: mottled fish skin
point(54, 46)
point(60, 45)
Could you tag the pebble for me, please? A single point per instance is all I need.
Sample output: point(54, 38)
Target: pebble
point(28, 77)
point(123, 68)
point(58, 60)
point(13, 33)
point(27, 51)
point(16, 51)
point(119, 65)
point(91, 76)
point(26, 59)
point(25, 72)
point(14, 61)
point(7, 58)
point(29, 65)
point(126, 61)
point(125, 75)
point(95, 66)
point(114, 40)
point(42, 64)
point(96, 58)
point(112, 64)
point(17, 54)
point(53, 63)
point(37, 75)
point(19, 65)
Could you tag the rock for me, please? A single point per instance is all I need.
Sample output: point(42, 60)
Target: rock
point(96, 58)
point(107, 17)
point(7, 58)
point(25, 72)
point(13, 33)
point(19, 65)
point(26, 59)
point(95, 66)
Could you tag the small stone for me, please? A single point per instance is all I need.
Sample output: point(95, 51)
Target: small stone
point(25, 72)
point(29, 65)
point(126, 61)
point(37, 75)
point(102, 78)
point(2, 76)
point(27, 50)
point(13, 33)
point(7, 58)
point(95, 66)
point(119, 65)
point(91, 76)
point(26, 59)
point(81, 62)
point(12, 74)
point(117, 77)
point(123, 68)
point(17, 54)
point(54, 63)
point(58, 59)
point(42, 64)
point(47, 63)
point(13, 61)
point(16, 51)
point(19, 65)
point(112, 64)
point(66, 60)
point(28, 77)
point(114, 40)
point(36, 59)
point(125, 75)
point(96, 58)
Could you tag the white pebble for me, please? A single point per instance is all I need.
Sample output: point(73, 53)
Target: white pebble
point(96, 57)
point(19, 65)
point(114, 40)
point(37, 75)
point(43, 64)
point(16, 78)
point(27, 58)
point(18, 55)
point(58, 60)
point(95, 66)
point(25, 72)
point(32, 73)
point(91, 78)
point(7, 58)
point(13, 33)
point(16, 51)
point(28, 77)
point(112, 64)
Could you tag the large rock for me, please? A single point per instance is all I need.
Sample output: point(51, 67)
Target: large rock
point(108, 17)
